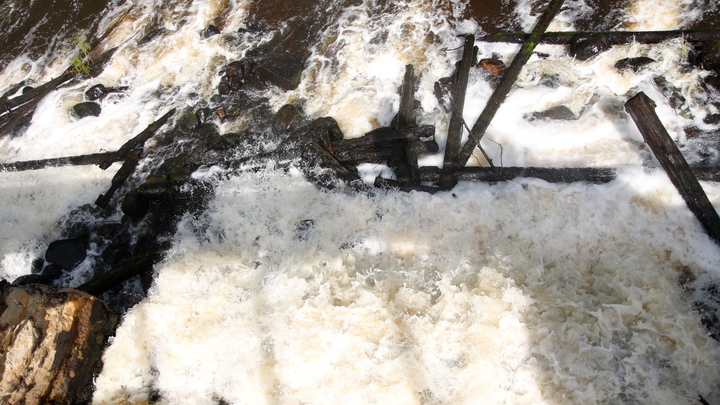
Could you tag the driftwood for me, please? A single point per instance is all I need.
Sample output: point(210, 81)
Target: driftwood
point(103, 160)
point(394, 184)
point(506, 83)
point(91, 159)
point(642, 110)
point(614, 37)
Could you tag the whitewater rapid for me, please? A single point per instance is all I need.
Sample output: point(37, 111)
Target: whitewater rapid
point(520, 292)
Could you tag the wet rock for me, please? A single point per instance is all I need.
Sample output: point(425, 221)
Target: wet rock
point(494, 66)
point(96, 92)
point(134, 205)
point(52, 271)
point(713, 82)
point(326, 125)
point(51, 342)
point(209, 31)
point(151, 35)
point(282, 71)
point(708, 306)
point(188, 123)
point(32, 279)
point(86, 109)
point(204, 115)
point(712, 119)
point(672, 93)
point(584, 48)
point(710, 55)
point(288, 117)
point(633, 63)
point(207, 130)
point(66, 253)
point(560, 112)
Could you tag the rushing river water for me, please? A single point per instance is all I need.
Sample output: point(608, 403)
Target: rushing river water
point(521, 292)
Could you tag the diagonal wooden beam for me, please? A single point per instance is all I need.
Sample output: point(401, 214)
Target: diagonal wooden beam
point(642, 110)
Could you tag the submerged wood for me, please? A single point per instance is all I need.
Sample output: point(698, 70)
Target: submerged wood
point(614, 37)
point(506, 83)
point(642, 110)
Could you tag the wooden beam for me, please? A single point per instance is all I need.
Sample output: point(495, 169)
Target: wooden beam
point(614, 37)
point(642, 110)
point(506, 83)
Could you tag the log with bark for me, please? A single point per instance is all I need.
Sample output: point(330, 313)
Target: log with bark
point(642, 110)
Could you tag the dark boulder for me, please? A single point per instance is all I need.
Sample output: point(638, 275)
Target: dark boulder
point(560, 112)
point(66, 253)
point(209, 31)
point(288, 117)
point(52, 271)
point(188, 123)
point(134, 205)
point(633, 63)
point(86, 109)
point(96, 92)
point(282, 71)
point(584, 48)
point(672, 93)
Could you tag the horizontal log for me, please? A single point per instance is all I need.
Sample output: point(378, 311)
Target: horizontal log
point(91, 159)
point(385, 134)
point(614, 37)
point(380, 153)
point(595, 175)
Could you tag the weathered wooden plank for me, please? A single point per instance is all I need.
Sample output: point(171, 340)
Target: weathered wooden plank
point(454, 135)
point(642, 110)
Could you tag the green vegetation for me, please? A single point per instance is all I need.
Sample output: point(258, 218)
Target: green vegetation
point(81, 63)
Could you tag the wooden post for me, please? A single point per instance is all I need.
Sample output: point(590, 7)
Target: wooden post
point(642, 110)
point(454, 136)
point(506, 83)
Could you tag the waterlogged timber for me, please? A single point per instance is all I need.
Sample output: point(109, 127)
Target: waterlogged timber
point(613, 37)
point(515, 291)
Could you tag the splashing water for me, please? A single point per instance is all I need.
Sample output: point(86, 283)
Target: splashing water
point(519, 292)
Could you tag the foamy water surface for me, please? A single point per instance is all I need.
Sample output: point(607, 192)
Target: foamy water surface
point(520, 292)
